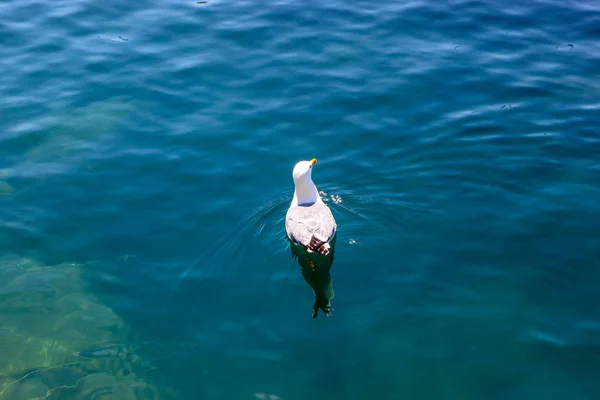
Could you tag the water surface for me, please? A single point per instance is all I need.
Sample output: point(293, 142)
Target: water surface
point(151, 144)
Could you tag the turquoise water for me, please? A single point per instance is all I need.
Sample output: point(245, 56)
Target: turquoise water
point(146, 151)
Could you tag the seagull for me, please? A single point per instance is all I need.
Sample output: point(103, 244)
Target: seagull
point(311, 229)
point(308, 221)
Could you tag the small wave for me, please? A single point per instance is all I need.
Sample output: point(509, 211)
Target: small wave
point(252, 224)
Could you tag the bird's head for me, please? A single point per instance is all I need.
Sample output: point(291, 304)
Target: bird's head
point(303, 170)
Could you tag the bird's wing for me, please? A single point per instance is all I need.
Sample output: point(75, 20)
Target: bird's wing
point(315, 223)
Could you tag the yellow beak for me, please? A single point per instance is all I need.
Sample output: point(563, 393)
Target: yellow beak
point(313, 161)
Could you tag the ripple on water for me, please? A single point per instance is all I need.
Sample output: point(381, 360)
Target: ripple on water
point(237, 243)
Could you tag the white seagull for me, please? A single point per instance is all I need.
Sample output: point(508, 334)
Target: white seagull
point(309, 222)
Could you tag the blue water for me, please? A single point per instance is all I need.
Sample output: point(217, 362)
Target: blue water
point(458, 147)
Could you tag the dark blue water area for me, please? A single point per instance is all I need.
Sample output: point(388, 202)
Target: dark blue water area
point(457, 145)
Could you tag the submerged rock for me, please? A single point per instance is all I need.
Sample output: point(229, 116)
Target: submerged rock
point(57, 341)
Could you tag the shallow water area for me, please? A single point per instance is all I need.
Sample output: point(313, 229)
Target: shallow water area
point(46, 316)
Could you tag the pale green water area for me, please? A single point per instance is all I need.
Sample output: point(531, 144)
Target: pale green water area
point(146, 152)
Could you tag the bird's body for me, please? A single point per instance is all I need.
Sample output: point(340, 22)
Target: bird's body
point(311, 229)
point(311, 226)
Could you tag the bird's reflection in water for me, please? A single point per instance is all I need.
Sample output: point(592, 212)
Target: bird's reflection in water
point(319, 277)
